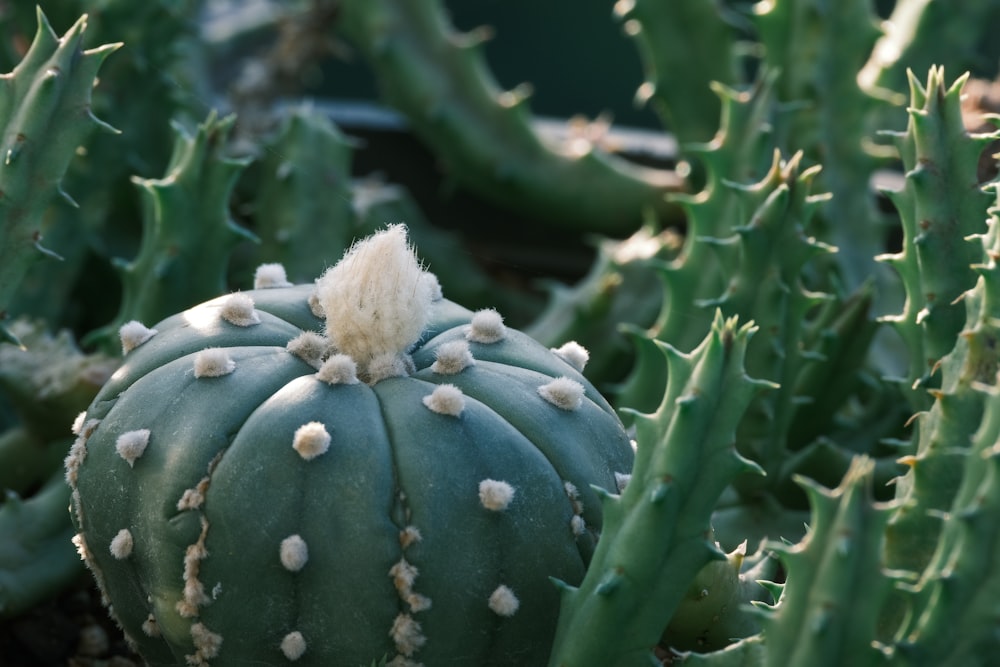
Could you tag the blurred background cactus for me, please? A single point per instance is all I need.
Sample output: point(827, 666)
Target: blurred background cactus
point(801, 209)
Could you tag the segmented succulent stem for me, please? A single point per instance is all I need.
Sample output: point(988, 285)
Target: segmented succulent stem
point(656, 533)
point(44, 115)
point(483, 135)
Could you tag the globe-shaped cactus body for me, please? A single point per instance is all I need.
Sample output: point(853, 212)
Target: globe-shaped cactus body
point(246, 492)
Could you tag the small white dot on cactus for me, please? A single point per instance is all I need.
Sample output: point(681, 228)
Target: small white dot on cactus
point(293, 645)
point(622, 480)
point(213, 362)
point(150, 627)
point(311, 440)
point(495, 495)
point(133, 334)
point(574, 354)
point(577, 525)
point(503, 602)
point(268, 276)
point(407, 635)
point(239, 309)
point(310, 347)
point(446, 399)
point(563, 392)
point(121, 544)
point(131, 445)
point(486, 327)
point(338, 369)
point(453, 357)
point(294, 553)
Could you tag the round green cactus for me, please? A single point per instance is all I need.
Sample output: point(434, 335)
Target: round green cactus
point(332, 473)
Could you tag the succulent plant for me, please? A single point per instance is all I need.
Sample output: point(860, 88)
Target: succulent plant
point(256, 483)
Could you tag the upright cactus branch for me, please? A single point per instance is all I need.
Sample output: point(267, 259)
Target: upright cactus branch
point(941, 202)
point(187, 229)
point(44, 115)
point(483, 135)
point(655, 537)
point(681, 62)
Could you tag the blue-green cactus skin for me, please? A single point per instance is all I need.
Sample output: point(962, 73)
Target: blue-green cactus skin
point(405, 556)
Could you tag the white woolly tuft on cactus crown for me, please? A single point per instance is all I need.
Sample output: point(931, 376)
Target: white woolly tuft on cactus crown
point(376, 299)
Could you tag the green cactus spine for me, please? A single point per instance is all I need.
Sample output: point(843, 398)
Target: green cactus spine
point(429, 471)
point(45, 115)
point(659, 524)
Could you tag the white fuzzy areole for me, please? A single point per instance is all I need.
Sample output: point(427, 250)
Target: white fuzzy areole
point(495, 495)
point(621, 480)
point(446, 399)
point(131, 445)
point(294, 553)
point(268, 276)
point(407, 634)
point(206, 643)
point(213, 362)
point(486, 327)
point(133, 334)
point(310, 347)
point(574, 354)
point(293, 645)
point(77, 427)
point(311, 440)
point(121, 544)
point(452, 358)
point(563, 392)
point(338, 369)
point(388, 365)
point(503, 602)
point(151, 627)
point(577, 525)
point(376, 299)
point(409, 535)
point(238, 309)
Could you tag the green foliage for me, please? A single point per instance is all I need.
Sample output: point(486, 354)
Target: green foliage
point(803, 203)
